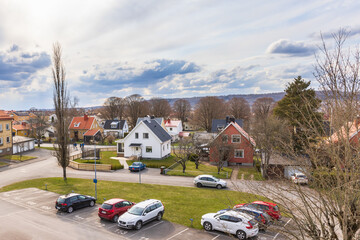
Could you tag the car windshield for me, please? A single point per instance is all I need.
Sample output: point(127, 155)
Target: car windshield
point(136, 164)
point(136, 210)
point(216, 215)
point(106, 206)
point(301, 176)
point(276, 208)
point(216, 179)
point(61, 200)
point(252, 222)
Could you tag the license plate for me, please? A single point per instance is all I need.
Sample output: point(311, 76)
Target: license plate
point(103, 212)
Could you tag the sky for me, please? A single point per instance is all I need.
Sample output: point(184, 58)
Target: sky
point(168, 49)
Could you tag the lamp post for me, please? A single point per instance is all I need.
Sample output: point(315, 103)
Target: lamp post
point(95, 180)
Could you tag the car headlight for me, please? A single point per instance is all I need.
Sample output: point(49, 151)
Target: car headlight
point(130, 223)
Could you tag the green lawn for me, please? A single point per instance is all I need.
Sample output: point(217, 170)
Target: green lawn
point(104, 159)
point(3, 164)
point(181, 203)
point(191, 171)
point(153, 163)
point(17, 157)
point(248, 171)
point(48, 148)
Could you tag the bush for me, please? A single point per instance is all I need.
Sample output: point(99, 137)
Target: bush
point(193, 157)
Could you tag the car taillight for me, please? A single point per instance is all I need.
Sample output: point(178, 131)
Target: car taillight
point(263, 219)
point(63, 204)
point(110, 211)
point(250, 225)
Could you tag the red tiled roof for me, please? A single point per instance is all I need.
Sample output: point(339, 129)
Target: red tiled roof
point(91, 132)
point(245, 134)
point(81, 123)
point(353, 128)
point(21, 127)
point(172, 123)
point(5, 116)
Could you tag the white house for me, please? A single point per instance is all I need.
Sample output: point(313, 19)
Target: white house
point(147, 140)
point(174, 127)
point(52, 118)
point(117, 128)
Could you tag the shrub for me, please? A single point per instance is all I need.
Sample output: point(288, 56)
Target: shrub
point(193, 157)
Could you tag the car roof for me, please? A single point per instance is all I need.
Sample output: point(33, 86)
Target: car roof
point(147, 202)
point(251, 210)
point(69, 195)
point(265, 203)
point(114, 200)
point(136, 162)
point(205, 175)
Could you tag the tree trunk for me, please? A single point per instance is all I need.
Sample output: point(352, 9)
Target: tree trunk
point(184, 167)
point(64, 174)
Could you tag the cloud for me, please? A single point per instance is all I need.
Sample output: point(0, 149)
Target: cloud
point(291, 48)
point(350, 31)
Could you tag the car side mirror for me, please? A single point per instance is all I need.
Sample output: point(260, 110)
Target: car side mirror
point(144, 214)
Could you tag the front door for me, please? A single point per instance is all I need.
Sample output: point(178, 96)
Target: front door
point(137, 151)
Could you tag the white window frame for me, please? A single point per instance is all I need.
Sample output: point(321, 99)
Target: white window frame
point(145, 134)
point(237, 136)
point(1, 141)
point(1, 128)
point(136, 135)
point(223, 138)
point(239, 150)
point(148, 147)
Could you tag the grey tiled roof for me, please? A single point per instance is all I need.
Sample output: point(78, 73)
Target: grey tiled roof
point(157, 129)
point(158, 120)
point(120, 124)
point(217, 122)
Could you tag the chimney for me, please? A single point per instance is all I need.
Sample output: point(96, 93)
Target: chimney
point(147, 118)
point(23, 123)
point(227, 119)
point(86, 117)
point(152, 117)
point(232, 119)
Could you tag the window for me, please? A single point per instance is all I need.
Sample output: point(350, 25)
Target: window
point(113, 125)
point(168, 145)
point(145, 135)
point(225, 217)
point(1, 141)
point(239, 153)
point(224, 138)
point(235, 138)
point(76, 124)
point(0, 127)
point(1, 150)
point(220, 127)
point(163, 147)
point(8, 139)
point(73, 199)
point(136, 135)
point(81, 197)
point(148, 149)
point(7, 126)
point(170, 129)
point(136, 148)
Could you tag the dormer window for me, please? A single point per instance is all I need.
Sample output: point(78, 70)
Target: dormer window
point(220, 127)
point(76, 124)
point(113, 125)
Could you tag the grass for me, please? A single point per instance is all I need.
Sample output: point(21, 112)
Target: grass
point(105, 158)
point(47, 148)
point(181, 203)
point(17, 157)
point(154, 163)
point(191, 171)
point(3, 164)
point(248, 171)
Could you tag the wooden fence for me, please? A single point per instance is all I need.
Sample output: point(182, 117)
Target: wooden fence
point(90, 166)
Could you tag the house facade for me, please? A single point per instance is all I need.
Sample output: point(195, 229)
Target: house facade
point(173, 127)
point(241, 145)
point(22, 129)
point(80, 125)
point(6, 140)
point(116, 128)
point(146, 140)
point(217, 125)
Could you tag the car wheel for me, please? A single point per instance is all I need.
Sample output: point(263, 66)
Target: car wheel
point(159, 216)
point(241, 234)
point(115, 218)
point(92, 203)
point(138, 225)
point(207, 226)
point(199, 184)
point(218, 186)
point(70, 209)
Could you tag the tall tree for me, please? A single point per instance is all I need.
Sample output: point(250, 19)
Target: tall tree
point(38, 124)
point(136, 108)
point(61, 104)
point(160, 107)
point(240, 109)
point(300, 108)
point(262, 108)
point(182, 109)
point(113, 107)
point(207, 109)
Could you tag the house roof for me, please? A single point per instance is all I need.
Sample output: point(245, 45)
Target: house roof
point(241, 130)
point(157, 129)
point(354, 129)
point(223, 122)
point(91, 132)
point(83, 122)
point(119, 124)
point(172, 123)
point(158, 120)
point(21, 139)
point(19, 127)
point(22, 114)
point(5, 116)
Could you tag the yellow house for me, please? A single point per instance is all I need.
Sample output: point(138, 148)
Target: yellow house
point(22, 129)
point(5, 134)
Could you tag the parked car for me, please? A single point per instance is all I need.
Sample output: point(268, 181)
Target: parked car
point(36, 141)
point(113, 208)
point(270, 208)
point(299, 178)
point(70, 202)
point(261, 217)
point(240, 224)
point(137, 166)
point(209, 181)
point(142, 213)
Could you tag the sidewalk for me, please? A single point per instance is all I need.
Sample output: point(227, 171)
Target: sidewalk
point(122, 161)
point(234, 174)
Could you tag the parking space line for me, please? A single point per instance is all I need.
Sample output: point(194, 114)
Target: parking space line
point(216, 237)
point(146, 229)
point(178, 233)
point(284, 226)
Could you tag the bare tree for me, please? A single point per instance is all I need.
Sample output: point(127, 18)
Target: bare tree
point(38, 124)
point(221, 151)
point(182, 109)
point(61, 104)
point(135, 108)
point(183, 151)
point(114, 107)
point(207, 109)
point(262, 107)
point(160, 107)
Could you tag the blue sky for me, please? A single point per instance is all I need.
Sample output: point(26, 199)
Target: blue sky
point(162, 48)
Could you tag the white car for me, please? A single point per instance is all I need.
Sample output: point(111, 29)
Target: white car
point(240, 224)
point(141, 213)
point(299, 178)
point(209, 181)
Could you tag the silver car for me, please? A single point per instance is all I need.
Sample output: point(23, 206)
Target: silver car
point(209, 181)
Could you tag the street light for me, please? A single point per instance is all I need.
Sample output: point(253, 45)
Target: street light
point(95, 180)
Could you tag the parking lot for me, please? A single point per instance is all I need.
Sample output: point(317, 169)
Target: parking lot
point(39, 204)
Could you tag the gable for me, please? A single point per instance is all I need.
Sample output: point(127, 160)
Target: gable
point(239, 130)
point(81, 123)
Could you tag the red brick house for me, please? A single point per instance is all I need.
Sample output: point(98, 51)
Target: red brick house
point(242, 145)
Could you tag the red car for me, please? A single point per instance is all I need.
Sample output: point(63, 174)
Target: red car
point(113, 208)
point(270, 208)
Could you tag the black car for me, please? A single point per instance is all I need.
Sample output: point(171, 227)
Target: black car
point(70, 202)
